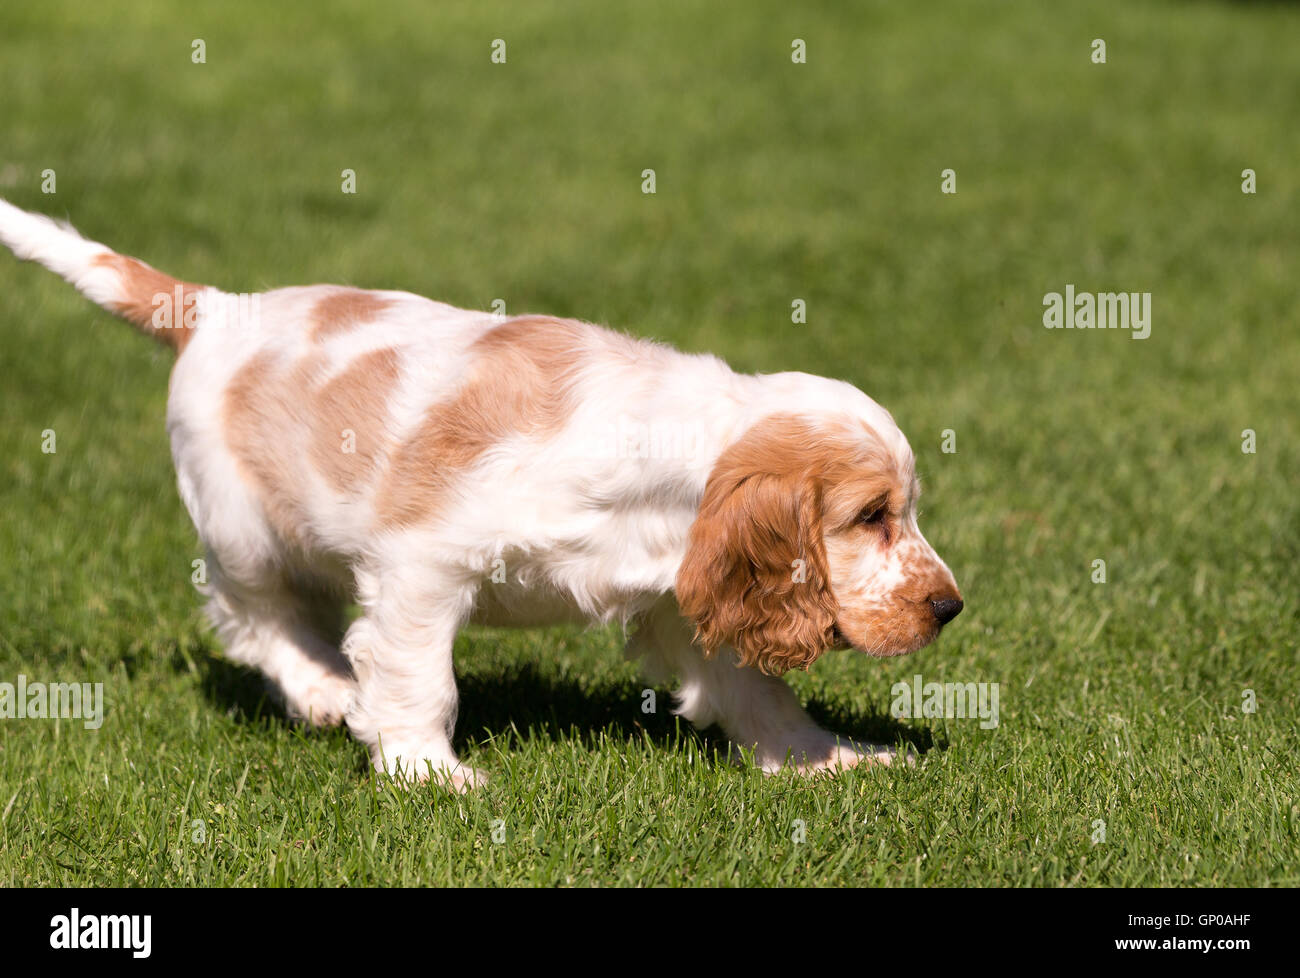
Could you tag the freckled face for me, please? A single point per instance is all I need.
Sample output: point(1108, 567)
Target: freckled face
point(893, 590)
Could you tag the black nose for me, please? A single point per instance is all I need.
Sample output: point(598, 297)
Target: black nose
point(947, 609)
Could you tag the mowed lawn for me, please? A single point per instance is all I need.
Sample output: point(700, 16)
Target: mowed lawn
point(1126, 750)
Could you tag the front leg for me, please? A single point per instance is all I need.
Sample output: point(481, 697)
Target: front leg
point(406, 701)
point(756, 711)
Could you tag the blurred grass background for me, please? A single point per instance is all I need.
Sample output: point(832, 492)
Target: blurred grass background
point(775, 181)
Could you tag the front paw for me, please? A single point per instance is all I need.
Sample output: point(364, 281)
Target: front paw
point(820, 750)
point(850, 754)
point(413, 766)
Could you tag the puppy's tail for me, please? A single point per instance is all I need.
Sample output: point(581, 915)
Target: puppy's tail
point(155, 303)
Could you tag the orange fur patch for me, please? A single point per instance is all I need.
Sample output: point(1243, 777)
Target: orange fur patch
point(355, 401)
point(281, 420)
point(263, 427)
point(517, 385)
point(343, 309)
point(142, 290)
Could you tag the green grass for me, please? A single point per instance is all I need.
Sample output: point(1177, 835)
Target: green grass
point(776, 181)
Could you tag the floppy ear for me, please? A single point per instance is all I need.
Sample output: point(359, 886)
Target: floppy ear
point(755, 573)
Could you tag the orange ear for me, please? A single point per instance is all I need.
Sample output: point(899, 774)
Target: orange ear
point(755, 573)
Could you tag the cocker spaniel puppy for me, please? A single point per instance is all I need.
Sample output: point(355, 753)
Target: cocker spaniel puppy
point(443, 467)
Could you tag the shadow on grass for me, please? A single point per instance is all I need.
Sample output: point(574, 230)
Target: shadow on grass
point(241, 693)
point(520, 702)
point(556, 708)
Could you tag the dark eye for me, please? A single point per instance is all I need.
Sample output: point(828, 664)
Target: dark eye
point(873, 515)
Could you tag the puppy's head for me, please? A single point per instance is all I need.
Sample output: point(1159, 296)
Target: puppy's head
point(806, 539)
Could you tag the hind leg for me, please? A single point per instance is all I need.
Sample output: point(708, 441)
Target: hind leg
point(288, 629)
point(401, 651)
